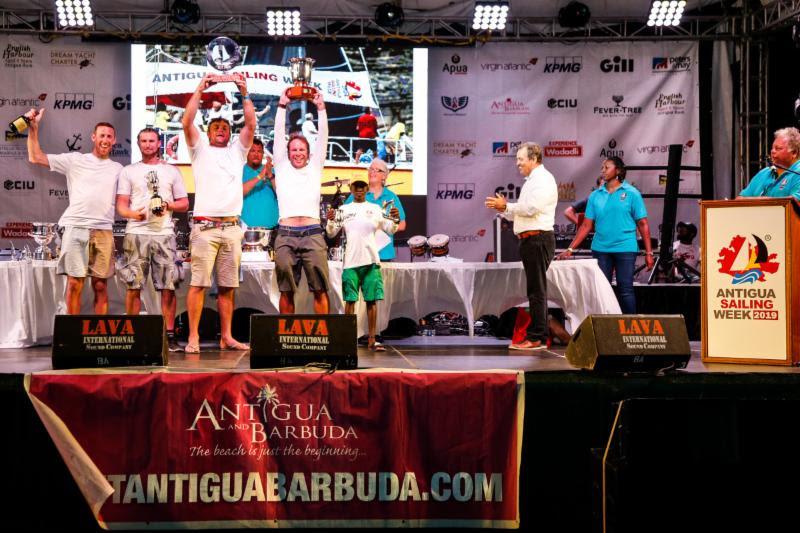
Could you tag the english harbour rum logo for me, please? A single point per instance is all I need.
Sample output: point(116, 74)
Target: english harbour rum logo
point(267, 418)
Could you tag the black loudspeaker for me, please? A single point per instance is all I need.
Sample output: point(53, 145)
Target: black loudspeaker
point(92, 341)
point(625, 343)
point(299, 340)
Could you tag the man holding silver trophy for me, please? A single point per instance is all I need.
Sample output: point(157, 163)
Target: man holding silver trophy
point(147, 194)
point(300, 245)
point(216, 239)
point(87, 246)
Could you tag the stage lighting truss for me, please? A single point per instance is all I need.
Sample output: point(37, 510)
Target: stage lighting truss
point(283, 21)
point(666, 12)
point(490, 16)
point(74, 13)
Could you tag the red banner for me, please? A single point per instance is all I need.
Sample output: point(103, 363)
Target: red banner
point(289, 449)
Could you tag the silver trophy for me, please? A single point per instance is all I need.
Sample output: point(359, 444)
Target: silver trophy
point(157, 204)
point(300, 69)
point(223, 53)
point(43, 234)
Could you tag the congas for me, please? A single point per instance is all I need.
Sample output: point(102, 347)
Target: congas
point(418, 245)
point(439, 245)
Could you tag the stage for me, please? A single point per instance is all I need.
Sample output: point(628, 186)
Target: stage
point(705, 447)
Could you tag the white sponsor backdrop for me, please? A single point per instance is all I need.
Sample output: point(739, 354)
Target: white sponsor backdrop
point(581, 102)
point(84, 84)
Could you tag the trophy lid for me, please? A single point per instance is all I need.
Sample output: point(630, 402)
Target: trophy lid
point(223, 53)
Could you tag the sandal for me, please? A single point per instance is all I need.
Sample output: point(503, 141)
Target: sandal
point(191, 348)
point(377, 347)
point(235, 346)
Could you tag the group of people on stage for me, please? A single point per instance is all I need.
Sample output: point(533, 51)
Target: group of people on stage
point(231, 183)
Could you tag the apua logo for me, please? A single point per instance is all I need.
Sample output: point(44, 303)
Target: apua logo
point(747, 264)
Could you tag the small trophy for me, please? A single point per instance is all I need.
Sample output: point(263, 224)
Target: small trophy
point(223, 53)
point(387, 211)
point(157, 204)
point(300, 69)
point(43, 233)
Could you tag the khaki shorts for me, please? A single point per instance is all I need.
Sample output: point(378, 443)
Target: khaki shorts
point(86, 252)
point(216, 247)
point(295, 254)
point(149, 253)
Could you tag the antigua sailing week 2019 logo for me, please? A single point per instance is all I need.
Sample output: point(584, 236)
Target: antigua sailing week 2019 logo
point(747, 264)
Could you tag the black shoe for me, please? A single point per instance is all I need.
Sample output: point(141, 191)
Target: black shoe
point(173, 345)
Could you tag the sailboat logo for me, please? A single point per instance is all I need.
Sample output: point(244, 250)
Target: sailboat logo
point(747, 264)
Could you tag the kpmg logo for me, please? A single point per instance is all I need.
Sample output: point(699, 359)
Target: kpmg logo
point(455, 103)
point(563, 64)
point(612, 150)
point(455, 191)
point(72, 101)
point(672, 64)
point(122, 103)
point(505, 148)
point(509, 106)
point(510, 66)
point(618, 110)
point(18, 56)
point(72, 58)
point(670, 104)
point(455, 68)
point(562, 103)
point(616, 64)
point(460, 149)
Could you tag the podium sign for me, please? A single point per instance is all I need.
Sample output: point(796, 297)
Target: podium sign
point(747, 282)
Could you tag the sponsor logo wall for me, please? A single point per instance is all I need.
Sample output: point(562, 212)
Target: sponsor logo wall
point(581, 103)
point(78, 85)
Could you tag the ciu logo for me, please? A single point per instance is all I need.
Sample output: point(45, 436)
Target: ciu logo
point(510, 191)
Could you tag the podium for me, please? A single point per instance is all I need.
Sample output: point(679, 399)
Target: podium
point(751, 281)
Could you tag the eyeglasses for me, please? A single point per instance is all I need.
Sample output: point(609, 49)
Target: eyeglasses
point(377, 170)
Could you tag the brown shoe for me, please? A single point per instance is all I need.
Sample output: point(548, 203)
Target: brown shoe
point(528, 345)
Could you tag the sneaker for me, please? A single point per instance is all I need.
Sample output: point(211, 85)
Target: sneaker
point(173, 345)
point(528, 345)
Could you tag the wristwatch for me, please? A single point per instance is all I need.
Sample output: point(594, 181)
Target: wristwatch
point(571, 250)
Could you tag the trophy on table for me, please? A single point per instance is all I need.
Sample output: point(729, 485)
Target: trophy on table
point(223, 53)
point(43, 233)
point(300, 69)
point(157, 204)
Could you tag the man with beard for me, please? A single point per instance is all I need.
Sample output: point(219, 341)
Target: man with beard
point(216, 239)
point(149, 243)
point(87, 246)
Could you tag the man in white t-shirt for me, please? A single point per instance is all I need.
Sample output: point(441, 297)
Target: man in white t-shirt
point(300, 244)
point(216, 240)
point(148, 193)
point(87, 246)
point(361, 220)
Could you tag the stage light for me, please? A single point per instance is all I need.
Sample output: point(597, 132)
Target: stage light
point(574, 15)
point(666, 12)
point(389, 15)
point(283, 21)
point(185, 12)
point(490, 16)
point(74, 13)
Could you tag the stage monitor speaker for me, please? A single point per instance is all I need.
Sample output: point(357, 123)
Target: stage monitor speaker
point(97, 341)
point(298, 340)
point(625, 343)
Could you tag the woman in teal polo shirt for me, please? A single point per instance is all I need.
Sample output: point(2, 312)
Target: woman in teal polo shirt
point(615, 211)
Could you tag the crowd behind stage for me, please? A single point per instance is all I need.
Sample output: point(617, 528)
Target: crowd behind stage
point(238, 182)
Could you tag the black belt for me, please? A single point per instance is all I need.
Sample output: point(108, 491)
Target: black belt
point(288, 232)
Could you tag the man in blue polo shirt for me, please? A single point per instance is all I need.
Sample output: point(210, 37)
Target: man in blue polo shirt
point(386, 199)
point(260, 207)
point(775, 181)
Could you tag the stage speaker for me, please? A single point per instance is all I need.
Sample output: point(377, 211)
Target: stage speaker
point(625, 343)
point(299, 340)
point(92, 341)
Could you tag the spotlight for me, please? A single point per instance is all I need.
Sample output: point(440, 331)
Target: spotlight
point(185, 12)
point(389, 15)
point(490, 15)
point(574, 15)
point(666, 12)
point(283, 21)
point(74, 13)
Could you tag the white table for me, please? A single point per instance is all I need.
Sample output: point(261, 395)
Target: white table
point(35, 293)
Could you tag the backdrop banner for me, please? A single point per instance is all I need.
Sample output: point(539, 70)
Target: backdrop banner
point(581, 102)
point(289, 449)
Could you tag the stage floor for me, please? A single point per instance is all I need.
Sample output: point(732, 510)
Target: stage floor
point(413, 353)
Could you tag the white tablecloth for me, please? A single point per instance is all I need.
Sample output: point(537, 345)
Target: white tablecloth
point(33, 293)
